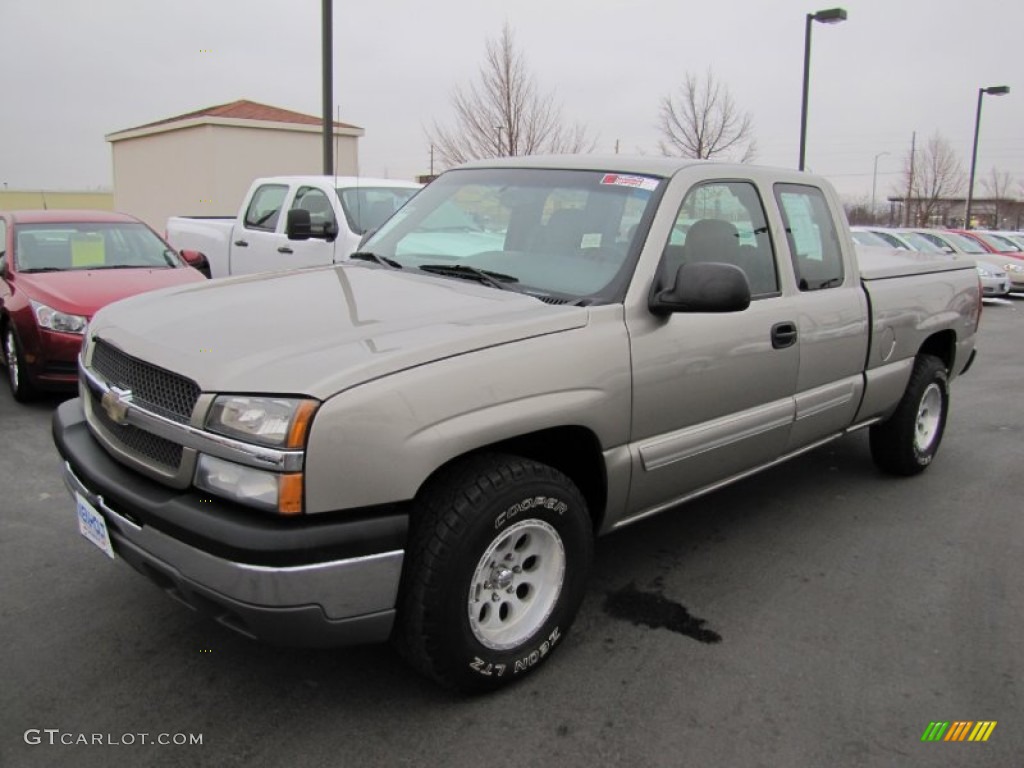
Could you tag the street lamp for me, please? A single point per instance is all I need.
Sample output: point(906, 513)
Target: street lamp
point(995, 90)
point(830, 16)
point(874, 183)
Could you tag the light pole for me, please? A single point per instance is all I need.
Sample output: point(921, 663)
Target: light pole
point(830, 16)
point(995, 90)
point(874, 184)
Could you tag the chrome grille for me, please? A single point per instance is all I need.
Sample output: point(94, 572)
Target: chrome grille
point(153, 388)
point(135, 440)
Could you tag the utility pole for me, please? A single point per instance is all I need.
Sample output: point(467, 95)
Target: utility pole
point(910, 181)
point(327, 46)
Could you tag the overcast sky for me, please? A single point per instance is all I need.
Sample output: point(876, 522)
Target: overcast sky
point(74, 71)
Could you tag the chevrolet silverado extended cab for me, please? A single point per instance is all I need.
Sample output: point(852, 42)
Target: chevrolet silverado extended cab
point(341, 210)
point(423, 447)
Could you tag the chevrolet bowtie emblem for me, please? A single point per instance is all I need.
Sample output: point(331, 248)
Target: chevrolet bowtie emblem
point(116, 403)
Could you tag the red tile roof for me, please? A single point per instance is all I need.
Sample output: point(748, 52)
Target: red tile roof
point(243, 110)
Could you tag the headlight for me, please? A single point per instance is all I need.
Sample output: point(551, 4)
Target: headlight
point(1013, 267)
point(252, 487)
point(985, 271)
point(50, 318)
point(279, 422)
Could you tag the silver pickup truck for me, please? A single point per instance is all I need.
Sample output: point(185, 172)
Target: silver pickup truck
point(421, 444)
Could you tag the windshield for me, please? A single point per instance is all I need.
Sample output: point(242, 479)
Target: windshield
point(999, 243)
point(65, 246)
point(920, 243)
point(964, 243)
point(868, 238)
point(367, 208)
point(558, 233)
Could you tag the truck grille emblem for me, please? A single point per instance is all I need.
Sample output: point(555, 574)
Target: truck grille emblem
point(116, 403)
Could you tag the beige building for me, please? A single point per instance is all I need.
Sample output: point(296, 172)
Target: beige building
point(32, 199)
point(202, 163)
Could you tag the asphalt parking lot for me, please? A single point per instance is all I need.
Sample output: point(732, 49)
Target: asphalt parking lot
point(819, 614)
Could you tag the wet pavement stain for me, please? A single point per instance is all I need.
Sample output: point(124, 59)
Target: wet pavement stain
point(656, 611)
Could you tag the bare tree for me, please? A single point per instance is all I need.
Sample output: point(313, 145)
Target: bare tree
point(932, 176)
point(505, 113)
point(997, 186)
point(702, 121)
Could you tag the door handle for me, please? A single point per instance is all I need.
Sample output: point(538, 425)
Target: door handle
point(783, 335)
point(241, 243)
point(285, 249)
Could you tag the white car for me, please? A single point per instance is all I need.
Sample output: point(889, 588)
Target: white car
point(339, 211)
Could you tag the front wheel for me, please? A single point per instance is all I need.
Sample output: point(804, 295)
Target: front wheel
point(906, 442)
point(496, 570)
point(17, 376)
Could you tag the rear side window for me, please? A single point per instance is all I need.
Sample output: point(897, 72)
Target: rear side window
point(811, 233)
point(3, 237)
point(265, 207)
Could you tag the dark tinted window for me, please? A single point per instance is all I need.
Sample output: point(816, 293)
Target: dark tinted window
point(812, 237)
point(265, 207)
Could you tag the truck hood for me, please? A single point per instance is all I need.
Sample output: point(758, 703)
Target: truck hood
point(319, 331)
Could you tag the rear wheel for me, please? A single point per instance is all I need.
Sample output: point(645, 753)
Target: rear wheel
point(495, 573)
point(906, 442)
point(17, 376)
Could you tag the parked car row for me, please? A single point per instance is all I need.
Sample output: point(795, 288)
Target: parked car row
point(999, 255)
point(58, 268)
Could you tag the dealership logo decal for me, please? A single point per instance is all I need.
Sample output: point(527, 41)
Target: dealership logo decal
point(959, 730)
point(116, 403)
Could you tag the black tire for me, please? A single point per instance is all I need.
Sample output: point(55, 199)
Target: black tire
point(510, 509)
point(17, 376)
point(906, 442)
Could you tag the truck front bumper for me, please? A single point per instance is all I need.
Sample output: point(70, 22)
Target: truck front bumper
point(317, 583)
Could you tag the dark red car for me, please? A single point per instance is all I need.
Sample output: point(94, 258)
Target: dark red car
point(57, 269)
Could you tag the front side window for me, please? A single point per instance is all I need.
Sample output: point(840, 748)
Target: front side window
point(62, 246)
point(265, 207)
point(812, 237)
point(321, 215)
point(724, 221)
point(557, 234)
point(3, 237)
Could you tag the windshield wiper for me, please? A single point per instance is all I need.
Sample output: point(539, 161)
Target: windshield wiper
point(376, 258)
point(485, 276)
point(40, 269)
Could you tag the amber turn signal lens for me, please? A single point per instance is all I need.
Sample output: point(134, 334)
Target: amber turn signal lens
point(289, 497)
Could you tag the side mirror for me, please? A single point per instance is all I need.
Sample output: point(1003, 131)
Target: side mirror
point(298, 225)
point(196, 260)
point(704, 287)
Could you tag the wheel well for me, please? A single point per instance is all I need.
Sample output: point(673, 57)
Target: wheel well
point(574, 451)
point(943, 346)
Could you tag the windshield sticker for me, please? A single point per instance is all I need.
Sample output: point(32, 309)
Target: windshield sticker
point(641, 182)
point(591, 240)
point(87, 251)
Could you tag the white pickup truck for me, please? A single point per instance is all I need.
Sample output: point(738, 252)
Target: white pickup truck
point(341, 210)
